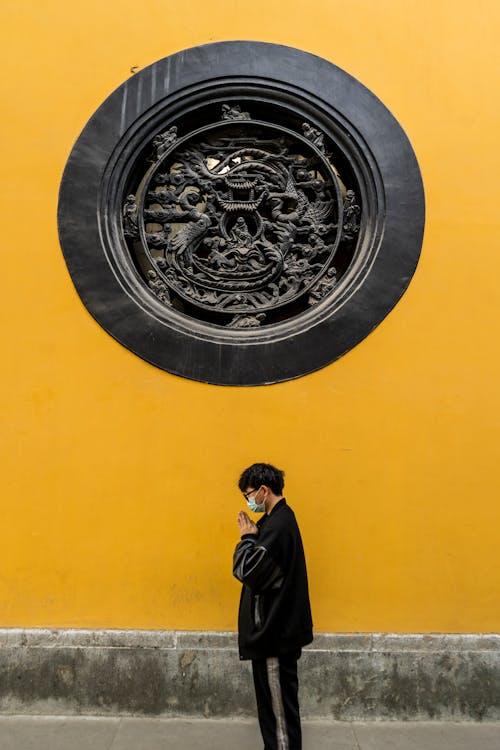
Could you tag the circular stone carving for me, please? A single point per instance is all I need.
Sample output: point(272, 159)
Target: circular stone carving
point(241, 213)
point(239, 224)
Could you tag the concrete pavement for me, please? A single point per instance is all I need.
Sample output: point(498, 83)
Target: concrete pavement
point(130, 733)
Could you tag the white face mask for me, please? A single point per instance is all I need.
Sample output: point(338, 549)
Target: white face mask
point(255, 507)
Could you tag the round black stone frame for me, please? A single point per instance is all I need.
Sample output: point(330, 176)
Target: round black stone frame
point(137, 110)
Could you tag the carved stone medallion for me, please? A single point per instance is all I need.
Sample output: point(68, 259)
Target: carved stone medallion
point(241, 225)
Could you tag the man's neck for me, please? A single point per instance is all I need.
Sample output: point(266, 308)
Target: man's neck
point(273, 500)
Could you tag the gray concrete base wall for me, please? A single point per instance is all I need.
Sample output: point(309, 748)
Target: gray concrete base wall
point(165, 673)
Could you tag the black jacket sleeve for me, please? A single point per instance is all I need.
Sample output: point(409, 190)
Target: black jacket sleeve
point(254, 566)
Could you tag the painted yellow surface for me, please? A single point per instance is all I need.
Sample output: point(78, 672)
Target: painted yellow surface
point(118, 480)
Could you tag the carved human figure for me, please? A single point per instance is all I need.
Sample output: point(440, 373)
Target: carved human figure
point(314, 135)
point(158, 287)
point(247, 321)
point(351, 214)
point(240, 235)
point(163, 141)
point(234, 112)
point(323, 287)
point(130, 228)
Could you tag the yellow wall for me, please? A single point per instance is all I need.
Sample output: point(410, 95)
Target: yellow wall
point(118, 480)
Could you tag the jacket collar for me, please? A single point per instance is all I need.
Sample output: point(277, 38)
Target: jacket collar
point(280, 504)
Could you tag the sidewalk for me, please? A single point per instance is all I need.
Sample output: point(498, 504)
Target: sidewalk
point(127, 733)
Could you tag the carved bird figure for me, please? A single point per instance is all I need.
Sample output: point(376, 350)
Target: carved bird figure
point(188, 239)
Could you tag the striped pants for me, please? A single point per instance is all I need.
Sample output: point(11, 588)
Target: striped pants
point(276, 690)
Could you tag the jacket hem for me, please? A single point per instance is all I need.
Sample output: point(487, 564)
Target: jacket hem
point(282, 648)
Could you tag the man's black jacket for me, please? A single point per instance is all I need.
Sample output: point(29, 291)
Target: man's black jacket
point(275, 613)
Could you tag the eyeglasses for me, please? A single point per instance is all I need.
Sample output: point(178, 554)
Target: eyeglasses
point(246, 495)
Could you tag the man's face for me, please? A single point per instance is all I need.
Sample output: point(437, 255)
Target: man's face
point(252, 494)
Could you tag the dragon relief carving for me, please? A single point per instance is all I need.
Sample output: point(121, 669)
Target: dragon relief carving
point(240, 221)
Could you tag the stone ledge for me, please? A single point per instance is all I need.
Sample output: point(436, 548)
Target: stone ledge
point(179, 639)
point(346, 676)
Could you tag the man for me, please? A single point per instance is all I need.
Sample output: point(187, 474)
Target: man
point(274, 620)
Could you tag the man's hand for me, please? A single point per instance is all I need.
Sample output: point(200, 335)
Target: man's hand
point(246, 526)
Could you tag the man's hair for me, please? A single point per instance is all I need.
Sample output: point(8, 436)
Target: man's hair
point(258, 474)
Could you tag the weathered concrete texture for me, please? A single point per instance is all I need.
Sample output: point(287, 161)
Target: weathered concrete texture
point(155, 673)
